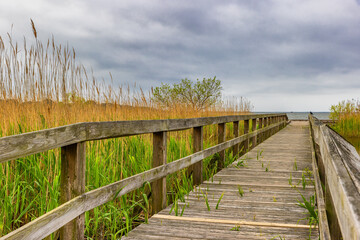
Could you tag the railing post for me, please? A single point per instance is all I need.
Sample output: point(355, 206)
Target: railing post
point(267, 123)
point(72, 184)
point(253, 128)
point(246, 142)
point(260, 138)
point(196, 170)
point(236, 134)
point(158, 187)
point(221, 138)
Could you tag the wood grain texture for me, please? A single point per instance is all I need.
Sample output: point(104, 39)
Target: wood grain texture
point(246, 142)
point(158, 187)
point(13, 147)
point(339, 179)
point(324, 231)
point(196, 170)
point(233, 222)
point(236, 134)
point(266, 209)
point(253, 128)
point(260, 125)
point(55, 219)
point(221, 139)
point(72, 184)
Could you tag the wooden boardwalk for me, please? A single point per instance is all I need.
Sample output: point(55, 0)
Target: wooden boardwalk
point(258, 201)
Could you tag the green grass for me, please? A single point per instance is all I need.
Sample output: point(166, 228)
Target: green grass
point(30, 186)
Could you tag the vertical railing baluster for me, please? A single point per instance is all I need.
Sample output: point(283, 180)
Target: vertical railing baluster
point(196, 170)
point(253, 128)
point(221, 138)
point(72, 184)
point(246, 142)
point(260, 137)
point(158, 187)
point(236, 134)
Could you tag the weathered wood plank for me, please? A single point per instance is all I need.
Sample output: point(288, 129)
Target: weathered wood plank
point(234, 222)
point(158, 187)
point(260, 138)
point(342, 196)
point(253, 128)
point(196, 170)
point(72, 184)
point(17, 146)
point(344, 193)
point(246, 142)
point(324, 231)
point(267, 198)
point(236, 134)
point(221, 138)
point(55, 219)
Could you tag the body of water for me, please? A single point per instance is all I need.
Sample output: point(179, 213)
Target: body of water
point(304, 115)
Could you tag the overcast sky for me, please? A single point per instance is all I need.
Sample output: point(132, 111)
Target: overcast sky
point(284, 55)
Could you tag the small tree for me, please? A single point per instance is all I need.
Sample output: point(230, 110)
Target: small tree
point(199, 95)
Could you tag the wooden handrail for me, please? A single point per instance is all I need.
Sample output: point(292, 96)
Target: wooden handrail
point(13, 147)
point(339, 169)
point(72, 140)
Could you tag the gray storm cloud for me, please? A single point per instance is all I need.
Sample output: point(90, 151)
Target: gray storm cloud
point(282, 55)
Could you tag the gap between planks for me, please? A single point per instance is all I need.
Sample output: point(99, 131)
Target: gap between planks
point(225, 221)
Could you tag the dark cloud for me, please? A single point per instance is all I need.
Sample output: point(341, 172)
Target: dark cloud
point(302, 51)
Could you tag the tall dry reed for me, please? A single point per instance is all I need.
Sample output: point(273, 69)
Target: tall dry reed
point(44, 86)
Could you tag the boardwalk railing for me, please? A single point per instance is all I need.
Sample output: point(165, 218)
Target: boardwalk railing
point(339, 170)
point(72, 140)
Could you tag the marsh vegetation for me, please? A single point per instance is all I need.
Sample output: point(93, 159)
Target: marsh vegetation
point(347, 116)
point(43, 86)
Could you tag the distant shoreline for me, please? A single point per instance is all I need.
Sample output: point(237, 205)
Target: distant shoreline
point(304, 115)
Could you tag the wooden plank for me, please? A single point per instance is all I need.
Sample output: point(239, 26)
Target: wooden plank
point(236, 134)
point(17, 146)
point(221, 138)
point(158, 187)
point(172, 229)
point(344, 194)
point(324, 231)
point(257, 205)
point(246, 142)
point(253, 128)
point(233, 222)
point(55, 219)
point(72, 184)
point(196, 170)
point(260, 138)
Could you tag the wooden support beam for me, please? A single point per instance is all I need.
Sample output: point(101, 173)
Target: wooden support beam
point(246, 142)
point(260, 137)
point(253, 128)
point(158, 187)
point(221, 138)
point(236, 134)
point(196, 170)
point(72, 184)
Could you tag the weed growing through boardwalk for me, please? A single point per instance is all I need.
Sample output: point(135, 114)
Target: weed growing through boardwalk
point(236, 228)
point(312, 212)
point(241, 191)
point(206, 200)
point(295, 166)
point(309, 205)
point(217, 205)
